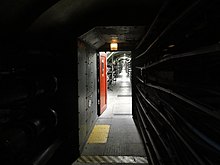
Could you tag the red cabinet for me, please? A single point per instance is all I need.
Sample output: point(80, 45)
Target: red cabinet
point(103, 82)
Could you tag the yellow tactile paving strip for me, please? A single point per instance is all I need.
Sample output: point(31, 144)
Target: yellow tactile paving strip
point(99, 134)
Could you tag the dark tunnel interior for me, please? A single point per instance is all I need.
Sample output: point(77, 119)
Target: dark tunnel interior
point(48, 48)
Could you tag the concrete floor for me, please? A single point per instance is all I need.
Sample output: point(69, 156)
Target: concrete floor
point(124, 144)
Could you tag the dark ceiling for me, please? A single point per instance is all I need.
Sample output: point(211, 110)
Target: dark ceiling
point(72, 18)
point(127, 37)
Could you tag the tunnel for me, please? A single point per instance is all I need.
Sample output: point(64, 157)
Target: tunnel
point(53, 56)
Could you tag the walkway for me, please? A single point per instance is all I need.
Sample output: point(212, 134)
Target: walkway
point(123, 144)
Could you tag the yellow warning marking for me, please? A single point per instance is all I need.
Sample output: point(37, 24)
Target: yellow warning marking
point(99, 134)
point(113, 159)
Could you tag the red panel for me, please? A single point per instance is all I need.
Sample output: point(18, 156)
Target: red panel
point(103, 82)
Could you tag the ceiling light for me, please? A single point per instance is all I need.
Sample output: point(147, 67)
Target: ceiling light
point(114, 46)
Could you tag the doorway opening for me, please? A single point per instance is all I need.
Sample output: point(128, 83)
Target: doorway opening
point(119, 96)
point(108, 129)
point(115, 138)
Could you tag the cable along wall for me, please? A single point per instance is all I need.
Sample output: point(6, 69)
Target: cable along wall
point(175, 85)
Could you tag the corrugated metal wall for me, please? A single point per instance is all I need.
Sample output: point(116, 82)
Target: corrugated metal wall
point(176, 91)
point(87, 86)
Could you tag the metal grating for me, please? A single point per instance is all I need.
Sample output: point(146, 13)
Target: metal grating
point(125, 87)
point(123, 113)
point(124, 95)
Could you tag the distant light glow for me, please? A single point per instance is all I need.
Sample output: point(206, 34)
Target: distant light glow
point(171, 46)
point(114, 46)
